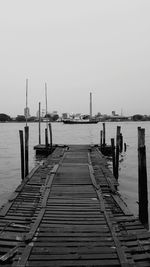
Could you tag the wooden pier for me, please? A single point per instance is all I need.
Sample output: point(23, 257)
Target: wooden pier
point(67, 212)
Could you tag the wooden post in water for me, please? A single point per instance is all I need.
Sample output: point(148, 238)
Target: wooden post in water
point(46, 138)
point(104, 133)
point(22, 153)
point(46, 129)
point(26, 150)
point(50, 131)
point(39, 123)
point(117, 152)
point(142, 178)
point(139, 128)
point(125, 147)
point(121, 142)
point(101, 138)
point(113, 155)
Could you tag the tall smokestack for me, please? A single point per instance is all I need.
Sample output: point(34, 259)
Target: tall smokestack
point(90, 105)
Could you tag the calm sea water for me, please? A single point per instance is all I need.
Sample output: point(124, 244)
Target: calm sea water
point(10, 175)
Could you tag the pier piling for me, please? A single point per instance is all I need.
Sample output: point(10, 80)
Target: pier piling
point(142, 178)
point(101, 138)
point(104, 135)
point(50, 131)
point(113, 155)
point(26, 128)
point(121, 142)
point(117, 152)
point(46, 138)
point(22, 153)
point(125, 147)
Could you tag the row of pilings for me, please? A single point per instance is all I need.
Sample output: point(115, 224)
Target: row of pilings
point(24, 147)
point(115, 151)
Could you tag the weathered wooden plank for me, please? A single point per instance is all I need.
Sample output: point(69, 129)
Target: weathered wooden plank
point(74, 256)
point(19, 219)
point(8, 243)
point(83, 263)
point(28, 177)
point(121, 204)
point(66, 250)
point(60, 212)
point(11, 236)
point(47, 233)
point(9, 254)
point(76, 218)
point(25, 255)
point(76, 228)
point(30, 235)
point(104, 242)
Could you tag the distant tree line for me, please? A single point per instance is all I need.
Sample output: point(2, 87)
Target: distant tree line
point(52, 118)
point(5, 117)
point(139, 117)
point(21, 118)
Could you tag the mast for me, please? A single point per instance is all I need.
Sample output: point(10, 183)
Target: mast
point(39, 123)
point(90, 105)
point(46, 103)
point(26, 115)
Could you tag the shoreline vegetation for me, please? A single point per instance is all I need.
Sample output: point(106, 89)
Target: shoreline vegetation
point(56, 118)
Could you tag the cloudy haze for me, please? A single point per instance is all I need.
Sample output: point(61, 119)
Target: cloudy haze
point(75, 46)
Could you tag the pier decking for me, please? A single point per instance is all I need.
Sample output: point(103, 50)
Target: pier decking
point(67, 212)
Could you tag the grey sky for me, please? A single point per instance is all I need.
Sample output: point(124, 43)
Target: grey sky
point(76, 46)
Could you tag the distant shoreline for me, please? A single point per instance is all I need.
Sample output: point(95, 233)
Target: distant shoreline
point(62, 121)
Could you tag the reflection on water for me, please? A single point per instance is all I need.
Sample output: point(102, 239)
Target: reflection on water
point(10, 174)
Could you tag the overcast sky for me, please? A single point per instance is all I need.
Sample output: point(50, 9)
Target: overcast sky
point(76, 47)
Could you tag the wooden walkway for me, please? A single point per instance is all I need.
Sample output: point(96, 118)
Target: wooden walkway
point(67, 212)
